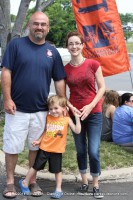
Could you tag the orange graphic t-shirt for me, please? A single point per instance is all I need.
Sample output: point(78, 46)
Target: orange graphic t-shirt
point(54, 139)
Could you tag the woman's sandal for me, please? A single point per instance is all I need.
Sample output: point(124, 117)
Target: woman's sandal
point(10, 188)
point(57, 195)
point(24, 190)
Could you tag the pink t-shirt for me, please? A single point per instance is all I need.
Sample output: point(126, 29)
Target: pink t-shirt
point(82, 85)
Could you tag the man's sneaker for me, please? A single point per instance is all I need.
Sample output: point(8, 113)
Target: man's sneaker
point(97, 194)
point(84, 188)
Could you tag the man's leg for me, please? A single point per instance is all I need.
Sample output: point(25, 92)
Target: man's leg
point(32, 156)
point(11, 161)
point(36, 128)
point(34, 187)
point(15, 134)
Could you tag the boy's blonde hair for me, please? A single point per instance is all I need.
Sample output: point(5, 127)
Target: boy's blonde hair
point(62, 101)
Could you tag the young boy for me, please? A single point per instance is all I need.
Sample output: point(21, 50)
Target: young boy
point(52, 144)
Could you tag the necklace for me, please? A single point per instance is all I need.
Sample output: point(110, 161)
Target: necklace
point(77, 64)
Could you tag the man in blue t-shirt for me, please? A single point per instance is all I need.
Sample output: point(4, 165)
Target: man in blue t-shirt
point(28, 65)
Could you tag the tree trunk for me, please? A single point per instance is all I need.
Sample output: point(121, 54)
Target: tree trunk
point(18, 26)
point(5, 24)
point(41, 5)
point(5, 21)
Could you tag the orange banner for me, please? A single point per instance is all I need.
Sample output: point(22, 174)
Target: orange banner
point(99, 23)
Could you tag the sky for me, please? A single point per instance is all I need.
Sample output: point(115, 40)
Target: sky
point(124, 6)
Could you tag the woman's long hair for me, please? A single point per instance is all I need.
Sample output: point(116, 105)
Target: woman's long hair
point(111, 98)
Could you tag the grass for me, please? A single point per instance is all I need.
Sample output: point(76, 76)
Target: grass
point(112, 156)
point(129, 46)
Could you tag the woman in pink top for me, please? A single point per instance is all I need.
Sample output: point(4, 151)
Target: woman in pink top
point(82, 76)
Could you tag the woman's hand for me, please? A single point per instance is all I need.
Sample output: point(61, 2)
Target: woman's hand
point(85, 111)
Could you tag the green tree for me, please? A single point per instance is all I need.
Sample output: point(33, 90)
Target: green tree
point(61, 21)
point(13, 18)
point(6, 31)
point(128, 35)
point(128, 17)
point(125, 19)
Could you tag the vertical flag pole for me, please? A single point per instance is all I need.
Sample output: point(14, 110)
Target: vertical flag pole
point(131, 78)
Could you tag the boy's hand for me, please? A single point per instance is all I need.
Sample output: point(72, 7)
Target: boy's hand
point(35, 143)
point(76, 112)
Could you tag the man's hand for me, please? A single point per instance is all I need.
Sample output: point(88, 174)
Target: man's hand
point(10, 106)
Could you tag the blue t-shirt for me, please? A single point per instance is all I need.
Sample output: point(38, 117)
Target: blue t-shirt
point(32, 68)
point(123, 125)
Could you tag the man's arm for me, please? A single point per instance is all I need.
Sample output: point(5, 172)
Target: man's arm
point(9, 105)
point(60, 88)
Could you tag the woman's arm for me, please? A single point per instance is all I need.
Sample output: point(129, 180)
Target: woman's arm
point(101, 86)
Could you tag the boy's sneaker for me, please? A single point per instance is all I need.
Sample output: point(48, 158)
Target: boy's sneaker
point(84, 188)
point(97, 194)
